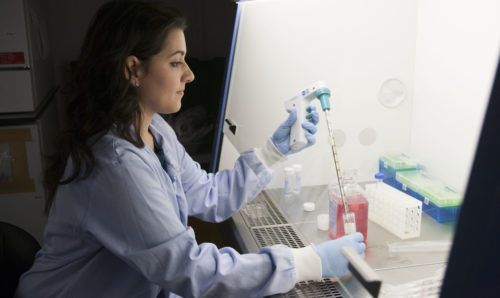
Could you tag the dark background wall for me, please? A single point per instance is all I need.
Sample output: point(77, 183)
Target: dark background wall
point(208, 36)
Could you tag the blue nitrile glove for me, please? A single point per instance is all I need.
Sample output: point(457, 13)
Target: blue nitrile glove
point(333, 262)
point(281, 137)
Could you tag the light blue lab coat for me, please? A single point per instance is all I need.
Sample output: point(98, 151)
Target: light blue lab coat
point(123, 231)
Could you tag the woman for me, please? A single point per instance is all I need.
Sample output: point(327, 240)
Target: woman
point(123, 187)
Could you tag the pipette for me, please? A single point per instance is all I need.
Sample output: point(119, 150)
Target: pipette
point(349, 218)
point(300, 102)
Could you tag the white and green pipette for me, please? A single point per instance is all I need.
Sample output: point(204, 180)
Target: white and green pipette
point(300, 102)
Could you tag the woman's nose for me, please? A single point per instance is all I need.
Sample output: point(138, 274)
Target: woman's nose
point(189, 75)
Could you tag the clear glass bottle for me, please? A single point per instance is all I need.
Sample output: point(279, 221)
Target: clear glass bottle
point(289, 181)
point(298, 178)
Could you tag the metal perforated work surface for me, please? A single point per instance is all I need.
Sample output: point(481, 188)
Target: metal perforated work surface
point(285, 234)
point(269, 226)
point(324, 288)
point(262, 212)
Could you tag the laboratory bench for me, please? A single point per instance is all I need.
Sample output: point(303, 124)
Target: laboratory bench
point(273, 218)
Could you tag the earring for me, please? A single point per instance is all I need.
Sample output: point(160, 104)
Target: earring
point(137, 83)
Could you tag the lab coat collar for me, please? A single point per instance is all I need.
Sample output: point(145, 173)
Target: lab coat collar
point(159, 128)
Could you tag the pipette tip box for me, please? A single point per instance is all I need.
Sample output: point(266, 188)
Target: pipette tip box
point(439, 201)
point(390, 164)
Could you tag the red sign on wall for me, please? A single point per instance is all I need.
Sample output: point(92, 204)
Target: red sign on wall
point(12, 58)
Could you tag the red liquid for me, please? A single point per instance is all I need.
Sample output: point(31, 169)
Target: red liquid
point(356, 204)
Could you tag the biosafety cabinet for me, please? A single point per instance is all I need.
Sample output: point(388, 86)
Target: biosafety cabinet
point(409, 78)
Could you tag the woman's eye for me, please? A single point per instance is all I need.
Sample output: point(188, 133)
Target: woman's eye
point(175, 64)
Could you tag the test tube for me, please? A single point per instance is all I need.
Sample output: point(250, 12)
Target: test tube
point(380, 178)
point(289, 181)
point(298, 177)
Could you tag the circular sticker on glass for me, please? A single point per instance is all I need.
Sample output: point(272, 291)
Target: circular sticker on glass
point(392, 93)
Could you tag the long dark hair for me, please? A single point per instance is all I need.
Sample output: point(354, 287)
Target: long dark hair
point(99, 93)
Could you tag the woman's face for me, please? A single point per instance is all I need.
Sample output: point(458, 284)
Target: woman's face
point(162, 86)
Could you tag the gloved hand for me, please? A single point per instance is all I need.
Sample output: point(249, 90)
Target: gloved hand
point(333, 262)
point(281, 137)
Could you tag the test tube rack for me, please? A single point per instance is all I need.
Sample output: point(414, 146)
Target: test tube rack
point(394, 210)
